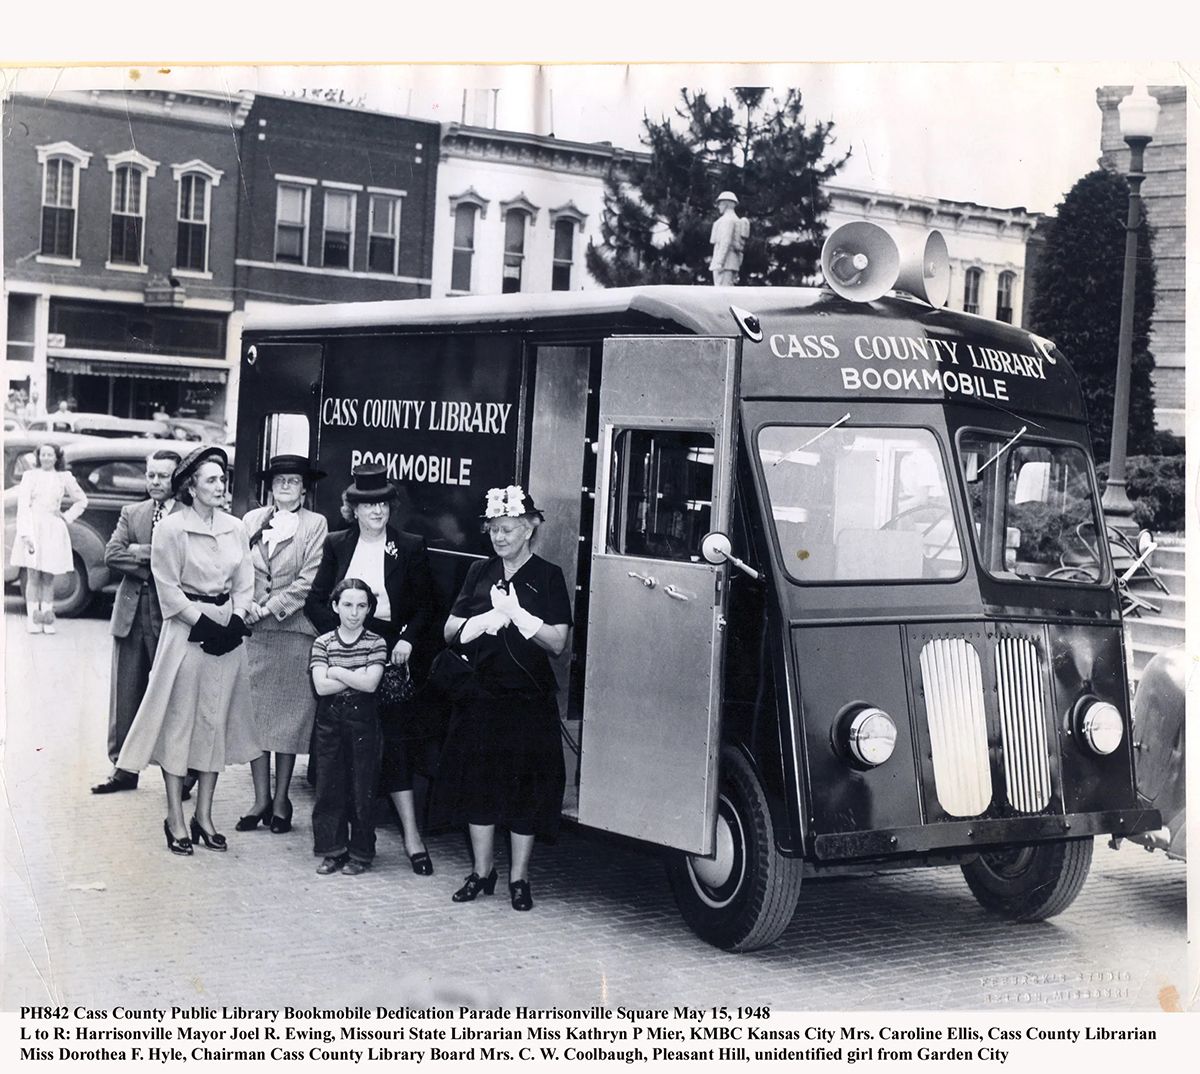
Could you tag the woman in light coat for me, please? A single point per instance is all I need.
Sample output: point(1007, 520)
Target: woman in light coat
point(286, 541)
point(43, 542)
point(197, 711)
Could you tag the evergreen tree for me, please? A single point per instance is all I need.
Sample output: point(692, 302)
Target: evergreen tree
point(659, 213)
point(1077, 303)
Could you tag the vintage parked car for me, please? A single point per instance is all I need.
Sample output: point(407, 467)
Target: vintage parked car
point(111, 473)
point(210, 432)
point(98, 425)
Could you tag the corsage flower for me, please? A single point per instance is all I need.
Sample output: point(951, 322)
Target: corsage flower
point(391, 549)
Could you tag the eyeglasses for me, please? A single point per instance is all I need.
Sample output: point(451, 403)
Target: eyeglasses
point(286, 482)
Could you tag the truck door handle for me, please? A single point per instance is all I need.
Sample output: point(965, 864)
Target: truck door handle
point(676, 594)
point(645, 579)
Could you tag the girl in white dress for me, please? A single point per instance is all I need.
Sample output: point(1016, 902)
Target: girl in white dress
point(43, 543)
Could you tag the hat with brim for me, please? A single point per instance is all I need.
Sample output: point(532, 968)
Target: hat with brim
point(192, 462)
point(291, 464)
point(726, 195)
point(370, 485)
point(510, 502)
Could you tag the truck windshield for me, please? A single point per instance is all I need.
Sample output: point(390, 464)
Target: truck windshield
point(1033, 508)
point(860, 504)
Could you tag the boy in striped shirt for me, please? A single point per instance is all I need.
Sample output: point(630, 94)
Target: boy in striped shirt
point(346, 666)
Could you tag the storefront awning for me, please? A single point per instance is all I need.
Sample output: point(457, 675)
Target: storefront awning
point(93, 368)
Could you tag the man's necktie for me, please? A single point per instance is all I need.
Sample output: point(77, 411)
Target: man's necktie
point(158, 513)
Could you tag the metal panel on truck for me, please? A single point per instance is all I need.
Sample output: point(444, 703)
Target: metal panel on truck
point(652, 693)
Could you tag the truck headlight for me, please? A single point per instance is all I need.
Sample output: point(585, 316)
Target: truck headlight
point(1101, 726)
point(871, 736)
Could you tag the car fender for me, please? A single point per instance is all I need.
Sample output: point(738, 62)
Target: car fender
point(88, 544)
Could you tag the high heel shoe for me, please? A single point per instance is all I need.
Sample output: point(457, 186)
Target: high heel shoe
point(250, 821)
point(522, 898)
point(279, 824)
point(475, 884)
point(213, 841)
point(176, 846)
point(421, 863)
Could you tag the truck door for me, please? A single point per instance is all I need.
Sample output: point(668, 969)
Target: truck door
point(652, 689)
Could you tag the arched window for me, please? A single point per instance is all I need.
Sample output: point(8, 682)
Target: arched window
point(514, 250)
point(567, 222)
point(464, 246)
point(1004, 296)
point(130, 171)
point(61, 164)
point(971, 284)
point(194, 213)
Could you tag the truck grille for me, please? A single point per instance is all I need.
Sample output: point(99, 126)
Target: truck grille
point(954, 706)
point(1022, 724)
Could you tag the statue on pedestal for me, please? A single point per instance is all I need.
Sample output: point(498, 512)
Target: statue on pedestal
point(728, 238)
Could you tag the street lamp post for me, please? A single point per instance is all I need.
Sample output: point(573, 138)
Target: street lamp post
point(1138, 118)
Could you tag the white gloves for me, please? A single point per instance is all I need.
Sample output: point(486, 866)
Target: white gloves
point(487, 623)
point(505, 602)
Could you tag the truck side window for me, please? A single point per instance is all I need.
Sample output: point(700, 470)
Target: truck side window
point(661, 493)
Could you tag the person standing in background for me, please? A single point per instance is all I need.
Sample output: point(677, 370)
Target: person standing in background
point(43, 542)
point(136, 616)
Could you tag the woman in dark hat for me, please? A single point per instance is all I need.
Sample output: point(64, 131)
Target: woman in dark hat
point(502, 760)
point(395, 565)
point(286, 541)
point(197, 711)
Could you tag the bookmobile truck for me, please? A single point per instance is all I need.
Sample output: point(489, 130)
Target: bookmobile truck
point(839, 601)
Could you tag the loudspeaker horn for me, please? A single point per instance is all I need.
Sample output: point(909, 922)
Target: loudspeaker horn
point(924, 267)
point(860, 261)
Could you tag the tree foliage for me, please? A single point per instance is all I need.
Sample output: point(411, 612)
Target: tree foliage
point(1077, 303)
point(659, 212)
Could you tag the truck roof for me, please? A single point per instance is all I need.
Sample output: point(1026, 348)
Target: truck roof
point(785, 314)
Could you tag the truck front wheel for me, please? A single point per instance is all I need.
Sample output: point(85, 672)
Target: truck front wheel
point(1030, 883)
point(743, 897)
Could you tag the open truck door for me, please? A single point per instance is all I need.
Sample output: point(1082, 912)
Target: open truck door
point(652, 693)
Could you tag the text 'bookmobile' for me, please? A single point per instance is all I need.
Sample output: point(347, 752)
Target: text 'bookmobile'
point(840, 598)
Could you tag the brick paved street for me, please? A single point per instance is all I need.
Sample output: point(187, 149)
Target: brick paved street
point(97, 911)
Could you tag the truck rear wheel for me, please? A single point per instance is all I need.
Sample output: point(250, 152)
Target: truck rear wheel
point(1030, 883)
point(744, 896)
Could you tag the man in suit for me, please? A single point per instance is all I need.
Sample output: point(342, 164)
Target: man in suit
point(136, 617)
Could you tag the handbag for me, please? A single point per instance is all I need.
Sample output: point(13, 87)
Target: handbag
point(453, 675)
point(396, 686)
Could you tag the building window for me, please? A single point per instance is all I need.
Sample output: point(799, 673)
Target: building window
point(22, 314)
point(564, 254)
point(291, 224)
point(338, 243)
point(514, 250)
point(464, 246)
point(383, 234)
point(971, 290)
point(61, 164)
point(128, 214)
point(1004, 297)
point(192, 249)
point(58, 208)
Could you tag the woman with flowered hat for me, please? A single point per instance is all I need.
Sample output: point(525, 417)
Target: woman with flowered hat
point(395, 565)
point(286, 542)
point(502, 760)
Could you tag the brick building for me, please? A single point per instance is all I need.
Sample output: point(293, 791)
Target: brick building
point(1163, 195)
point(336, 204)
point(119, 223)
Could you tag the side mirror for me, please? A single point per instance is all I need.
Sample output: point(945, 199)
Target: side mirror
point(716, 549)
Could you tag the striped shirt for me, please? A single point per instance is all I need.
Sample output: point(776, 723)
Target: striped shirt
point(330, 650)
